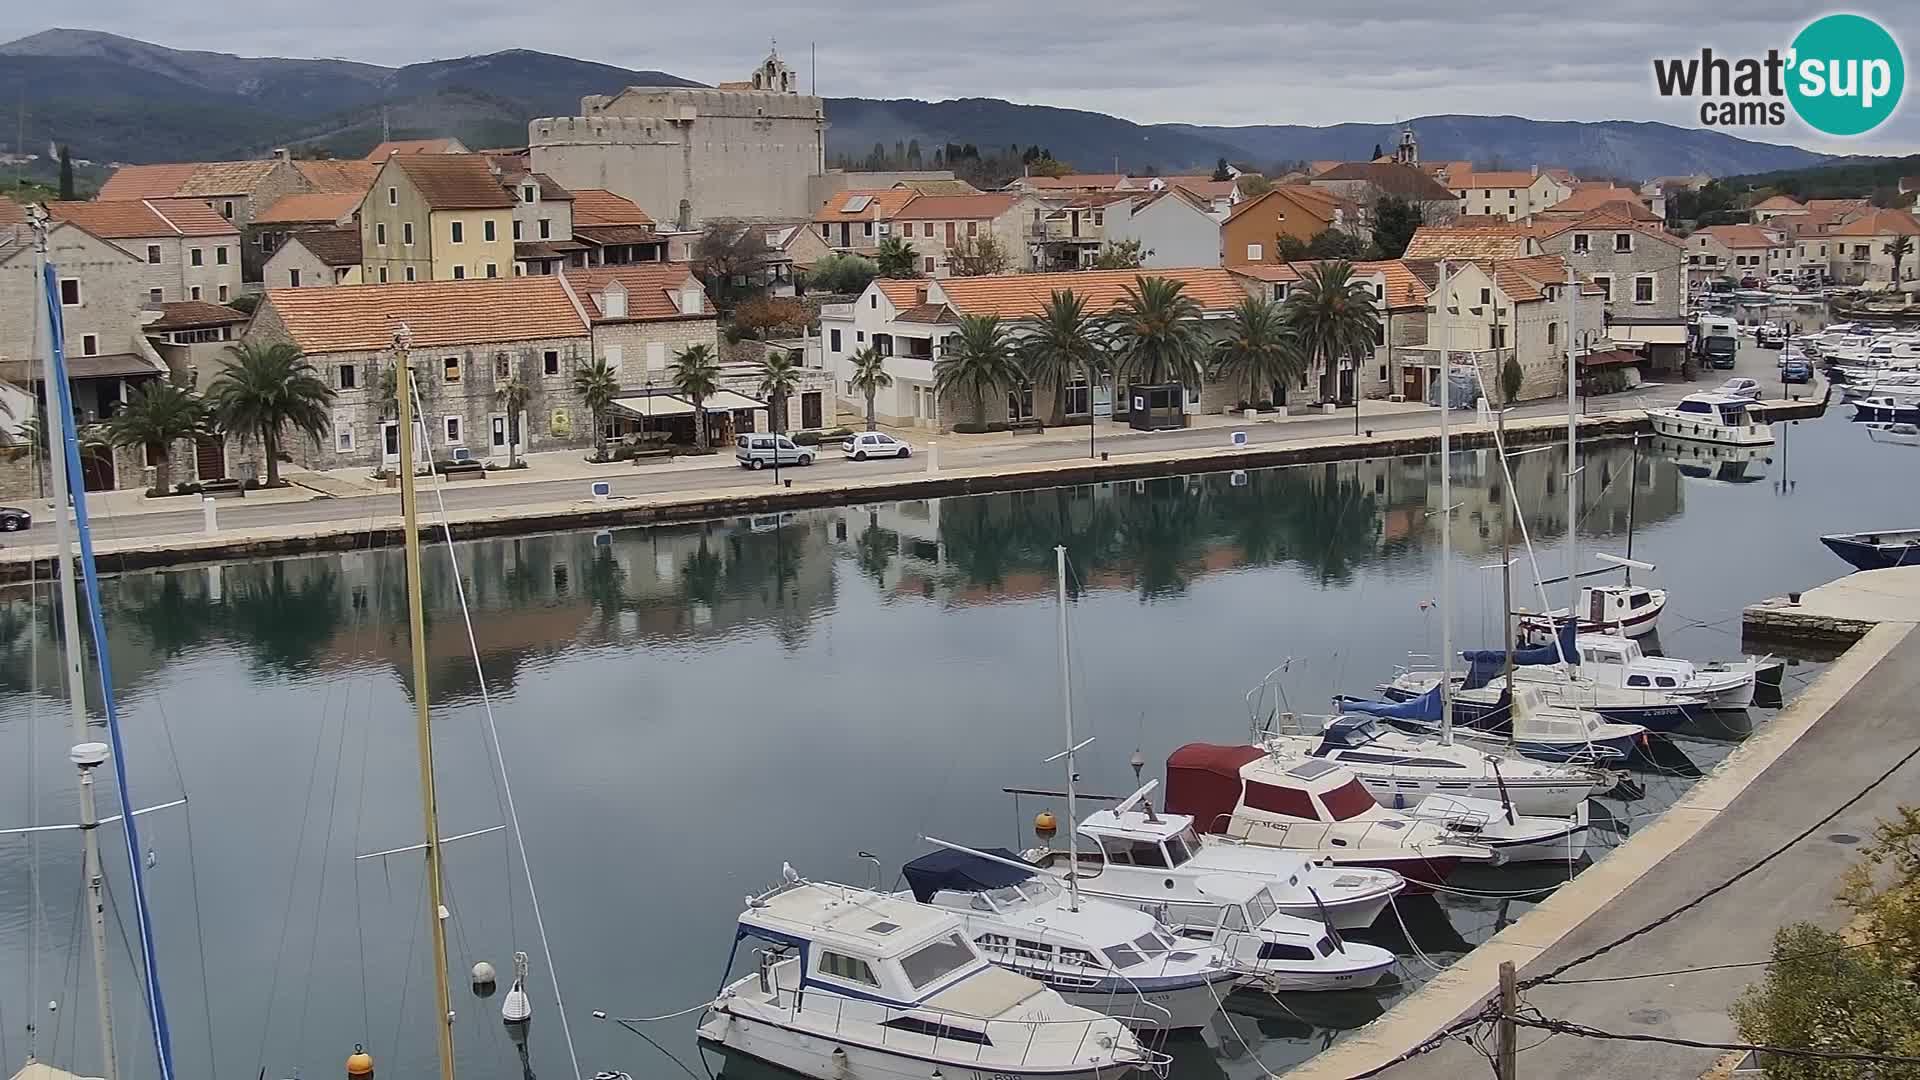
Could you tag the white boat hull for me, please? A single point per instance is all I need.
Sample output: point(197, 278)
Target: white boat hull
point(1693, 429)
point(820, 1055)
point(1157, 1010)
point(1355, 977)
point(1525, 839)
point(1540, 800)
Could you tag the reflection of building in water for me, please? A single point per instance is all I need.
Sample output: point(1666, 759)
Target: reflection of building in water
point(1539, 478)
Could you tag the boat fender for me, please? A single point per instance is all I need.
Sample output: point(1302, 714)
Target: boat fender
point(1399, 801)
point(842, 1069)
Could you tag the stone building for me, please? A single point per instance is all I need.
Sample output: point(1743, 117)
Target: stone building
point(193, 336)
point(687, 154)
point(436, 217)
point(1400, 296)
point(857, 221)
point(237, 190)
point(315, 258)
point(189, 251)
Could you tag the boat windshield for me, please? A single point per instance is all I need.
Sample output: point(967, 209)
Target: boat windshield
point(1260, 907)
point(1693, 407)
point(996, 899)
point(1039, 890)
point(1182, 847)
point(937, 959)
point(1123, 956)
point(1349, 800)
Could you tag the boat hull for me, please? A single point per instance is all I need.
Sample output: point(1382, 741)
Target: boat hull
point(1865, 554)
point(1674, 426)
point(1492, 715)
point(1355, 914)
point(1541, 799)
point(811, 1053)
point(1422, 872)
point(1356, 977)
point(1525, 840)
point(1185, 1008)
point(1887, 413)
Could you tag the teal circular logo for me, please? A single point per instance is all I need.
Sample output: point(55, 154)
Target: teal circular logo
point(1846, 75)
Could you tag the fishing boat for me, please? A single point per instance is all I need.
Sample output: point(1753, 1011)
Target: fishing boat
point(1480, 699)
point(1876, 550)
point(1889, 408)
point(1711, 418)
point(860, 983)
point(1523, 721)
point(1095, 953)
point(1612, 660)
point(1899, 434)
point(1518, 837)
point(1310, 806)
point(1633, 610)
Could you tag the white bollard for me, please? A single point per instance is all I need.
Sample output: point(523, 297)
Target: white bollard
point(933, 458)
point(209, 517)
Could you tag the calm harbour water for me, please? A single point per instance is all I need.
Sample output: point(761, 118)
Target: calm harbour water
point(683, 708)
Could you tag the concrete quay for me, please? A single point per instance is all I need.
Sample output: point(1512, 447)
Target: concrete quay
point(1841, 734)
point(1831, 617)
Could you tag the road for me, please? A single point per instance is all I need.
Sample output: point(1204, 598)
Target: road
point(641, 482)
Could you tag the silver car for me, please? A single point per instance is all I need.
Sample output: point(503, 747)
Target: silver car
point(758, 450)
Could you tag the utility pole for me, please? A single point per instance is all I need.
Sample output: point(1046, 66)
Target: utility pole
point(1505, 1030)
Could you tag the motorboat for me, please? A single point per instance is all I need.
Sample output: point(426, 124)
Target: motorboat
point(1613, 660)
point(1711, 418)
point(1525, 721)
point(860, 983)
point(1522, 839)
point(1897, 408)
point(1628, 609)
point(1135, 853)
point(1876, 550)
point(1310, 806)
point(1094, 953)
point(1401, 768)
point(1709, 461)
point(1902, 434)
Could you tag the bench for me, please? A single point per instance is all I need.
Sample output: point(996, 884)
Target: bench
point(223, 489)
point(1025, 427)
point(461, 470)
point(642, 456)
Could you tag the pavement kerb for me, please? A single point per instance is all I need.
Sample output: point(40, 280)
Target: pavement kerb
point(1474, 979)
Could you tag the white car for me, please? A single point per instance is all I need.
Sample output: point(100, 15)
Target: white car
point(1741, 388)
point(872, 444)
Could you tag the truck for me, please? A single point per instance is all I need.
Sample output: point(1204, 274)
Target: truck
point(1715, 341)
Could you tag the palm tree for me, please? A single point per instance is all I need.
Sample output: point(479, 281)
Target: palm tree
point(1156, 334)
point(158, 415)
point(870, 377)
point(1333, 316)
point(265, 387)
point(696, 374)
point(779, 378)
point(1899, 247)
point(897, 258)
point(514, 395)
point(1068, 343)
point(1259, 348)
point(597, 386)
point(977, 362)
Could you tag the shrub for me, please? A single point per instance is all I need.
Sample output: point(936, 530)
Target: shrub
point(842, 274)
point(806, 438)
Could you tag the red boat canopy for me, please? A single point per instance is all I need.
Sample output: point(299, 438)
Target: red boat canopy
point(1203, 782)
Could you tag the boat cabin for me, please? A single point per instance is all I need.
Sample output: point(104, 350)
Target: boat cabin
point(1210, 782)
point(1138, 838)
point(1229, 908)
point(1621, 662)
point(1730, 411)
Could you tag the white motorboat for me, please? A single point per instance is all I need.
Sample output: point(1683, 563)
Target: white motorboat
point(1628, 609)
point(1526, 721)
point(1896, 407)
point(1310, 806)
point(1900, 433)
point(1519, 837)
point(862, 984)
point(1401, 768)
point(1711, 418)
point(1613, 660)
point(1095, 953)
point(1140, 855)
point(1272, 950)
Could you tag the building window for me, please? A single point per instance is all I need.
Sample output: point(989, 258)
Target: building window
point(866, 228)
point(1099, 218)
point(153, 254)
point(546, 228)
point(528, 192)
point(406, 233)
point(516, 230)
point(408, 274)
point(1622, 241)
point(874, 301)
point(1643, 289)
point(1580, 243)
point(1379, 334)
point(487, 231)
point(1606, 287)
point(459, 273)
point(973, 228)
point(293, 279)
point(342, 434)
point(393, 196)
point(929, 264)
point(846, 968)
point(833, 341)
point(346, 377)
point(197, 257)
point(1553, 331)
point(1497, 337)
point(502, 367)
point(383, 275)
point(89, 345)
point(493, 269)
point(220, 255)
point(826, 232)
point(155, 296)
point(459, 232)
point(450, 369)
point(380, 233)
point(453, 431)
point(926, 229)
point(222, 296)
point(1486, 297)
point(1254, 252)
point(193, 293)
point(226, 209)
point(550, 362)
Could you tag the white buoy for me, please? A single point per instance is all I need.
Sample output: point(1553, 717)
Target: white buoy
point(517, 1007)
point(483, 972)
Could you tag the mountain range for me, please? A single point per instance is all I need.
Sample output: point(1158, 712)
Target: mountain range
point(117, 99)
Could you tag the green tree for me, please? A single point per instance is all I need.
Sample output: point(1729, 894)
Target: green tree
point(1333, 316)
point(732, 258)
point(158, 415)
point(1822, 993)
point(1124, 255)
point(1883, 891)
point(67, 190)
point(264, 388)
point(1377, 155)
point(842, 273)
point(1065, 345)
point(596, 385)
point(897, 259)
point(1394, 222)
point(1251, 184)
point(1156, 334)
point(1511, 377)
point(514, 395)
point(870, 377)
point(1898, 248)
point(978, 362)
point(779, 378)
point(976, 256)
point(1220, 171)
point(1338, 244)
point(1259, 348)
point(696, 373)
point(1291, 248)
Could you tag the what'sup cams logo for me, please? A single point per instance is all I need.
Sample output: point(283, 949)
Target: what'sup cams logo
point(1843, 75)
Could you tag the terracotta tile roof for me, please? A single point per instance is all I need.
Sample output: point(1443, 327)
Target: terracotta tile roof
point(615, 234)
point(1095, 199)
point(1404, 286)
point(939, 187)
point(105, 365)
point(146, 181)
point(545, 249)
point(1562, 174)
point(226, 178)
point(1075, 181)
point(193, 217)
point(1839, 204)
point(1743, 236)
point(1510, 179)
point(1593, 197)
point(126, 219)
point(929, 314)
point(1021, 296)
point(1612, 216)
point(1779, 202)
point(902, 294)
point(12, 213)
point(888, 202)
point(339, 176)
point(441, 314)
point(651, 290)
point(955, 207)
point(1402, 180)
point(1272, 272)
point(598, 206)
point(334, 247)
point(453, 181)
point(1204, 186)
point(309, 207)
point(1497, 239)
point(415, 146)
point(1881, 223)
point(193, 314)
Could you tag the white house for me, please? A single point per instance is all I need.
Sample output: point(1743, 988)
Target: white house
point(1172, 226)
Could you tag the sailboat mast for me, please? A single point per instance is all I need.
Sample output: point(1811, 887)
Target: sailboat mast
point(1633, 495)
point(1446, 511)
point(1066, 709)
point(1573, 465)
point(1506, 557)
point(74, 656)
point(417, 631)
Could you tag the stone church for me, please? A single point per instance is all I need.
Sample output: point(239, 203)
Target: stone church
point(743, 149)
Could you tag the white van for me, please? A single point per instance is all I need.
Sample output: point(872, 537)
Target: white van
point(759, 450)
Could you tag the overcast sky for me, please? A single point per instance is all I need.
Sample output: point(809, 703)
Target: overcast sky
point(1224, 62)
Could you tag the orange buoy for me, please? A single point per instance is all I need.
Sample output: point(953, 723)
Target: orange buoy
point(360, 1063)
point(1045, 824)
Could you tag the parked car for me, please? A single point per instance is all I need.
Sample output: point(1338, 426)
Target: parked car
point(1771, 336)
point(1796, 371)
point(759, 450)
point(868, 444)
point(13, 519)
point(1741, 388)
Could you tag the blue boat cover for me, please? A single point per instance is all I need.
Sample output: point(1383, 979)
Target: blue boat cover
point(1425, 708)
point(961, 871)
point(1484, 664)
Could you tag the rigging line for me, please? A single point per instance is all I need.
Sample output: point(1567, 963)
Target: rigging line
point(1730, 882)
point(500, 758)
point(406, 978)
point(320, 891)
point(293, 878)
point(1431, 1043)
point(200, 933)
point(359, 922)
point(36, 911)
point(70, 982)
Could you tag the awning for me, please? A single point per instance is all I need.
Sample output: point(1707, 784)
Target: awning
point(1651, 334)
point(728, 401)
point(648, 408)
point(1608, 358)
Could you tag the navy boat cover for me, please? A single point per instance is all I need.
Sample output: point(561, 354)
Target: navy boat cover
point(961, 871)
point(1484, 664)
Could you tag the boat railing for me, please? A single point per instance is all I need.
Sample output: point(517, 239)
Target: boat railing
point(1293, 723)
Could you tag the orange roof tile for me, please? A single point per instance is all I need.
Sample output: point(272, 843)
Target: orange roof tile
point(1779, 202)
point(1496, 239)
point(1509, 179)
point(1204, 186)
point(1743, 236)
point(651, 289)
point(454, 181)
point(145, 181)
point(310, 207)
point(192, 314)
point(334, 247)
point(1881, 223)
point(955, 207)
point(1611, 216)
point(339, 176)
point(883, 203)
point(121, 219)
point(1075, 181)
point(415, 146)
point(598, 206)
point(902, 294)
point(441, 314)
point(1024, 296)
point(1585, 198)
point(12, 213)
point(226, 177)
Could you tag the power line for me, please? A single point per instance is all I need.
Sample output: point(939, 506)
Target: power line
point(1727, 884)
point(1567, 1027)
point(1719, 967)
point(1432, 1043)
